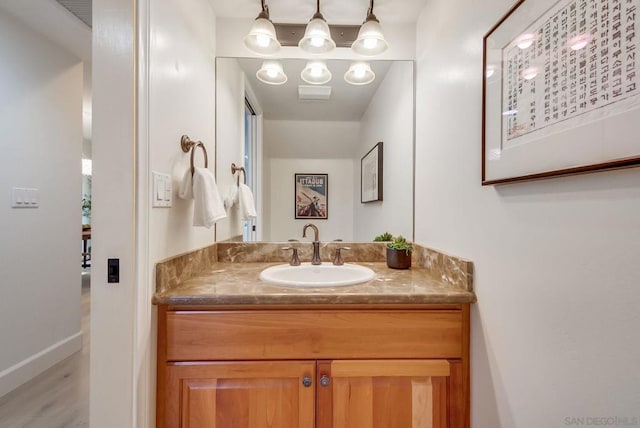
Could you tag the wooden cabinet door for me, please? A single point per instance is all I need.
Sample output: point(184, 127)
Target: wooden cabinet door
point(382, 394)
point(240, 395)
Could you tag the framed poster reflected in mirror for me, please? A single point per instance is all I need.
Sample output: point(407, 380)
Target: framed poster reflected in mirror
point(371, 175)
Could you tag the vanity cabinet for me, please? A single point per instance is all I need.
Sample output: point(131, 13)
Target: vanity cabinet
point(313, 368)
point(382, 393)
point(240, 394)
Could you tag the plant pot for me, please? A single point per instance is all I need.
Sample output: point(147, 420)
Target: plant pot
point(398, 259)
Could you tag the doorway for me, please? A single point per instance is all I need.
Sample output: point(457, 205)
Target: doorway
point(44, 371)
point(250, 157)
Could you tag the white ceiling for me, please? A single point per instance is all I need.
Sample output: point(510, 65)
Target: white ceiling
point(55, 22)
point(334, 11)
point(280, 102)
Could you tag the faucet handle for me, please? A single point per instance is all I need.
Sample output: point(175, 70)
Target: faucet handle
point(295, 260)
point(337, 260)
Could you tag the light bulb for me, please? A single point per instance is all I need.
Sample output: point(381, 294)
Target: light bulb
point(262, 40)
point(529, 73)
point(316, 70)
point(370, 43)
point(271, 73)
point(359, 73)
point(525, 41)
point(316, 42)
point(579, 42)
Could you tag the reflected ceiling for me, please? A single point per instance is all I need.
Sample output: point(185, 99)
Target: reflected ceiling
point(280, 102)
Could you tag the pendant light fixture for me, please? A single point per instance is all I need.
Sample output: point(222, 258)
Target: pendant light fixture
point(262, 37)
point(370, 40)
point(359, 73)
point(316, 73)
point(271, 73)
point(317, 36)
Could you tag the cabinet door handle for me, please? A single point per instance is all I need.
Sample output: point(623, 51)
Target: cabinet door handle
point(325, 381)
point(306, 381)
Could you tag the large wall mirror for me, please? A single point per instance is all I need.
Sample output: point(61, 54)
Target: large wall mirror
point(278, 131)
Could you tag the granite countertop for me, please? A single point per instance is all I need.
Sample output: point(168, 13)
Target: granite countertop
point(230, 283)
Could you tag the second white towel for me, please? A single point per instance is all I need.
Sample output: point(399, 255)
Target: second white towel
point(232, 197)
point(247, 205)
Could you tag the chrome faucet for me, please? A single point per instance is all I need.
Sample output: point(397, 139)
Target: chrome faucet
point(337, 260)
point(295, 260)
point(315, 260)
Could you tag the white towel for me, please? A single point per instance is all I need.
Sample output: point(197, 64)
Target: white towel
point(186, 186)
point(232, 197)
point(208, 206)
point(247, 206)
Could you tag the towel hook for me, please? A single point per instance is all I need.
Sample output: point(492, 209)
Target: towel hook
point(235, 169)
point(187, 144)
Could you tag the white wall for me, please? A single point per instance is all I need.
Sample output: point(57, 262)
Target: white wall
point(230, 135)
point(182, 96)
point(41, 123)
point(298, 146)
point(181, 101)
point(113, 306)
point(310, 139)
point(555, 329)
point(284, 226)
point(388, 118)
point(173, 94)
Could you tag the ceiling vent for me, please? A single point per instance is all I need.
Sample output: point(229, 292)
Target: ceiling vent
point(314, 93)
point(80, 8)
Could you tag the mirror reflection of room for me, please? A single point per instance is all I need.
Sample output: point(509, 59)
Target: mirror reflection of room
point(280, 130)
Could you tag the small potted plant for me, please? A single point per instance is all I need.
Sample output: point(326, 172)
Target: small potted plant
point(385, 237)
point(399, 253)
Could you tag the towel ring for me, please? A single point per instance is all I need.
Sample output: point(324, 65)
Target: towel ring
point(235, 169)
point(187, 144)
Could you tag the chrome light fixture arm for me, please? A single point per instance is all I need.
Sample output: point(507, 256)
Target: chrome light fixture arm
point(370, 15)
point(265, 11)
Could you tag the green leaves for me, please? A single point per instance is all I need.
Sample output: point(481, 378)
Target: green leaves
point(400, 243)
point(383, 238)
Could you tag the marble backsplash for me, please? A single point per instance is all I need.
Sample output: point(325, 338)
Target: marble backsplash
point(177, 269)
point(450, 270)
point(260, 252)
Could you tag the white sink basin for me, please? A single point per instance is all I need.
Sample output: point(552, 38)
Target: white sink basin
point(324, 275)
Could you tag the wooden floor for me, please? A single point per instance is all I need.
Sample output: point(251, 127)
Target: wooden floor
point(59, 397)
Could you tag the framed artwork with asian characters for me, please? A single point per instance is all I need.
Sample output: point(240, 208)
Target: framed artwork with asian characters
point(561, 89)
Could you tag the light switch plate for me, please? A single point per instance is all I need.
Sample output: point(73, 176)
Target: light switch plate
point(22, 197)
point(162, 190)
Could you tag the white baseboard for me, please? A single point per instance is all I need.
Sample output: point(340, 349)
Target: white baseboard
point(31, 367)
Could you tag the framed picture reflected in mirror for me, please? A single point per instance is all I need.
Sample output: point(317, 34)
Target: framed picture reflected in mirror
point(371, 175)
point(312, 196)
